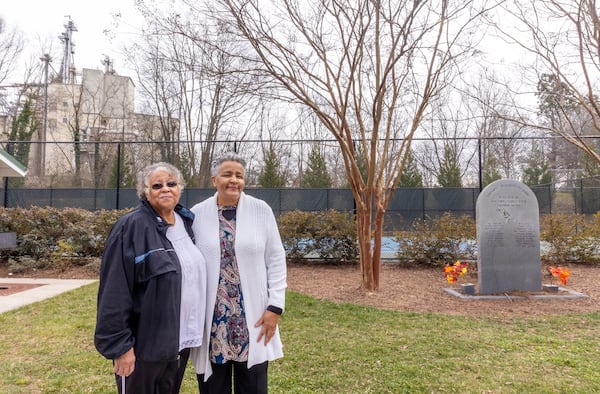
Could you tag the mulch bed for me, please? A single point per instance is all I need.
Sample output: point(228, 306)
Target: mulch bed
point(7, 289)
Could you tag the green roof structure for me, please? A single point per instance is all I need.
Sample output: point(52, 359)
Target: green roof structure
point(10, 167)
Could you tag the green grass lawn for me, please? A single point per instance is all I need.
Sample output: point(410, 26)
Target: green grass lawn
point(329, 348)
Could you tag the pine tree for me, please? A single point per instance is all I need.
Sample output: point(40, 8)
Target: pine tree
point(537, 171)
point(591, 172)
point(490, 170)
point(271, 176)
point(23, 127)
point(126, 178)
point(362, 165)
point(411, 176)
point(316, 175)
point(449, 173)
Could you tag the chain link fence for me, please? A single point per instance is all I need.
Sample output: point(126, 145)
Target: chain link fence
point(98, 175)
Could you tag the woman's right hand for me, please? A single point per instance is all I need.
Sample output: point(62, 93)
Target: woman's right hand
point(125, 364)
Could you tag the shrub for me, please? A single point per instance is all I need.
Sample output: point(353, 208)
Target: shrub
point(437, 241)
point(327, 235)
point(296, 229)
point(51, 237)
point(336, 237)
point(571, 238)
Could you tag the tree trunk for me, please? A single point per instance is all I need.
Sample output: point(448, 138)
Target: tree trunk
point(377, 238)
point(370, 254)
point(370, 230)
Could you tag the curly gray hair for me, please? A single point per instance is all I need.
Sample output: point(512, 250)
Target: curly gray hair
point(144, 177)
point(231, 156)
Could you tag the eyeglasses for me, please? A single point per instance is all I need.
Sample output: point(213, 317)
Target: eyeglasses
point(158, 186)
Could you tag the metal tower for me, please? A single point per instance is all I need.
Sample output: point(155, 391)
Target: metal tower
point(67, 65)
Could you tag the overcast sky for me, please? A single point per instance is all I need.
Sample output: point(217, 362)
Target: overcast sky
point(42, 21)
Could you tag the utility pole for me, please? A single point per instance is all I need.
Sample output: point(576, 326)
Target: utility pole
point(108, 65)
point(67, 66)
point(46, 59)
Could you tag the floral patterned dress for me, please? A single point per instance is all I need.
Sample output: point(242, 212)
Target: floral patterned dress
point(229, 337)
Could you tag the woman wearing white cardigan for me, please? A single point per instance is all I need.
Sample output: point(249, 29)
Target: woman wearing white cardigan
point(246, 272)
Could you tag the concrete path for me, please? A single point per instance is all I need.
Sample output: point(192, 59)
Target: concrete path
point(48, 288)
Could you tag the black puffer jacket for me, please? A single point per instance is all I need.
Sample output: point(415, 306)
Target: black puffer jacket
point(140, 287)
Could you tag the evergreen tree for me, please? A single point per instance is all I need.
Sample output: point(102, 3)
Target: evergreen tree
point(411, 176)
point(271, 176)
point(316, 175)
point(490, 170)
point(127, 179)
point(449, 172)
point(556, 102)
point(362, 165)
point(537, 171)
point(23, 127)
point(591, 171)
point(554, 97)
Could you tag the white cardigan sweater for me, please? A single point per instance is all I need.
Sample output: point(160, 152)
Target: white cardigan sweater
point(262, 266)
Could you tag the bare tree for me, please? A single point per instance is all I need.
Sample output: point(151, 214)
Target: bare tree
point(187, 74)
point(499, 139)
point(97, 107)
point(11, 46)
point(160, 90)
point(563, 39)
point(310, 128)
point(368, 69)
point(449, 153)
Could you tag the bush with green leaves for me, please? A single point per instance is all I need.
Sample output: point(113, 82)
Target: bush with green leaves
point(296, 229)
point(437, 241)
point(325, 235)
point(50, 237)
point(55, 238)
point(571, 238)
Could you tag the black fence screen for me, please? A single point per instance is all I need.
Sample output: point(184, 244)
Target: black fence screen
point(406, 204)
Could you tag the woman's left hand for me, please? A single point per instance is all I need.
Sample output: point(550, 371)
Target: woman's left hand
point(268, 321)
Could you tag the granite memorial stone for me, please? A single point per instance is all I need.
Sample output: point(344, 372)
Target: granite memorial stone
point(508, 238)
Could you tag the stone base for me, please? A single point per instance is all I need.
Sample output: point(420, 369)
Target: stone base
point(468, 288)
point(562, 294)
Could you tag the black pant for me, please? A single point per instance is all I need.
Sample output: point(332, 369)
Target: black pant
point(156, 377)
point(245, 380)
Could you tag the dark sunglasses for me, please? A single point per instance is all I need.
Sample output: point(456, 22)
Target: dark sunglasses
point(158, 186)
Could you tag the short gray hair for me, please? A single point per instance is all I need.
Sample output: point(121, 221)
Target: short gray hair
point(144, 176)
point(230, 156)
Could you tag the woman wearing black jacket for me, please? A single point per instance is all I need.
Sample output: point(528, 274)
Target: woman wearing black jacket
point(152, 288)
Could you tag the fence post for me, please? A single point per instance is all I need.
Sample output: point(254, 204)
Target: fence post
point(580, 196)
point(480, 164)
point(5, 192)
point(9, 150)
point(550, 194)
point(118, 190)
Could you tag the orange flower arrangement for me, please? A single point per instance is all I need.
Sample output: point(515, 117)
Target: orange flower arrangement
point(561, 273)
point(455, 271)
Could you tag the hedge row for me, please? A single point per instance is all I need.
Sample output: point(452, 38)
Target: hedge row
point(565, 239)
point(50, 237)
point(324, 236)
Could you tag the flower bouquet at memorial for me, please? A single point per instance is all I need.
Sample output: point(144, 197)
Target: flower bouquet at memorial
point(562, 274)
point(453, 272)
